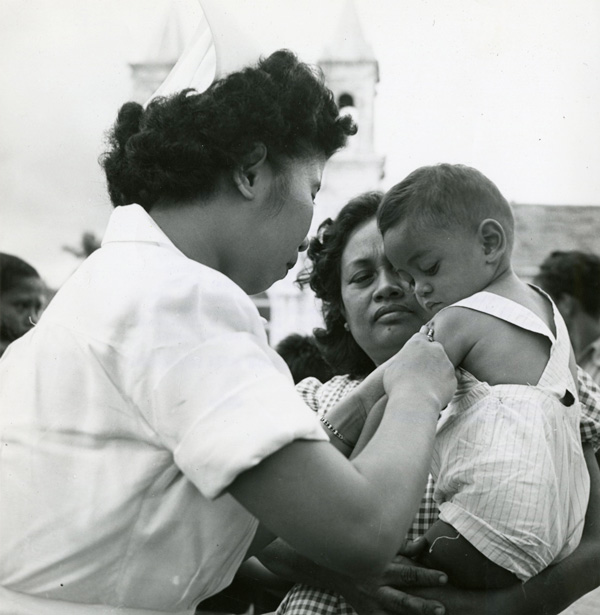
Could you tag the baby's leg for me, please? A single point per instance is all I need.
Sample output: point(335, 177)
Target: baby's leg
point(465, 566)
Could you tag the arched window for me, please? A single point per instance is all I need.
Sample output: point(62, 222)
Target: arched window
point(346, 106)
point(345, 100)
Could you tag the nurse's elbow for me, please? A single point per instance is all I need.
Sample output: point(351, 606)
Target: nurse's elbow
point(372, 551)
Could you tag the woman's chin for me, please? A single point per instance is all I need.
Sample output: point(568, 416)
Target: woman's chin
point(395, 334)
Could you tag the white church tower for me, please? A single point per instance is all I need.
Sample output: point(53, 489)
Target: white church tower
point(352, 73)
point(165, 46)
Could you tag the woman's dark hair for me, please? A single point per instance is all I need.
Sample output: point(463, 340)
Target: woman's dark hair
point(323, 275)
point(13, 270)
point(179, 146)
point(572, 273)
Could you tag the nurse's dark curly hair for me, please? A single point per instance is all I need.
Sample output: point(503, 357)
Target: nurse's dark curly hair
point(179, 146)
point(323, 275)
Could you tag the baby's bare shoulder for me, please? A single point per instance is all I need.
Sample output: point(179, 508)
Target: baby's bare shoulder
point(459, 330)
point(460, 320)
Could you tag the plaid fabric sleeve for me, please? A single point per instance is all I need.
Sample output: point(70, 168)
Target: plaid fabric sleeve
point(589, 396)
point(308, 390)
point(427, 514)
point(306, 600)
point(334, 391)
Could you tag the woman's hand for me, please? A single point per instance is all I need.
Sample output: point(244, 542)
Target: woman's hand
point(422, 364)
point(385, 594)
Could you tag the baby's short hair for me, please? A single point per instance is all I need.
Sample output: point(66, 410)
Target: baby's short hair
point(445, 196)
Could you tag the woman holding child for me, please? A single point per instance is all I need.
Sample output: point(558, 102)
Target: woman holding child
point(369, 313)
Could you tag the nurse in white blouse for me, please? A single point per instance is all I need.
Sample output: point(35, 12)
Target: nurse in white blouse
point(146, 425)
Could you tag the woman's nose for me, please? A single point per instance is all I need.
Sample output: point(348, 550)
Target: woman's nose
point(304, 245)
point(389, 285)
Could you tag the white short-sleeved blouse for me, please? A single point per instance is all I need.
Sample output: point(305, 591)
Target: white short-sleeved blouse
point(147, 386)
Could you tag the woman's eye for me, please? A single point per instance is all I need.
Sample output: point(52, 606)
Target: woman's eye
point(361, 278)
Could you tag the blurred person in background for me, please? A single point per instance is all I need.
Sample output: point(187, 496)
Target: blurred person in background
point(572, 279)
point(22, 298)
point(303, 357)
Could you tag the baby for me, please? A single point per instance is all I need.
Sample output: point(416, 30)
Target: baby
point(510, 477)
point(512, 486)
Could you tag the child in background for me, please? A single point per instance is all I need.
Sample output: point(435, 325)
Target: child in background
point(22, 298)
point(511, 481)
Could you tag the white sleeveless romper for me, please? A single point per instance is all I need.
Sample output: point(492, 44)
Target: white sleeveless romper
point(508, 462)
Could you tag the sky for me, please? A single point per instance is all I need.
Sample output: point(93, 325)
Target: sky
point(510, 87)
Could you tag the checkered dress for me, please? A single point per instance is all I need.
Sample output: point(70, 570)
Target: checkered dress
point(307, 600)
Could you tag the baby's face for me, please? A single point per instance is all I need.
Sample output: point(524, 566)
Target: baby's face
point(443, 265)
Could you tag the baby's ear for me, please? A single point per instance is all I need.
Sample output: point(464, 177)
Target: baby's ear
point(493, 239)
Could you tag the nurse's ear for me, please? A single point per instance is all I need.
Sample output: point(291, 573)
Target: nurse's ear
point(493, 240)
point(246, 175)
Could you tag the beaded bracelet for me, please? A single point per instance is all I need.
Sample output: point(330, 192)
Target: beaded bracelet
point(331, 428)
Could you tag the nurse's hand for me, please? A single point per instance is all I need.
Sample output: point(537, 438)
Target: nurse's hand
point(424, 365)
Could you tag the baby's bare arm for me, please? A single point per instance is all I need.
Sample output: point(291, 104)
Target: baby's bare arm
point(452, 328)
point(465, 566)
point(493, 350)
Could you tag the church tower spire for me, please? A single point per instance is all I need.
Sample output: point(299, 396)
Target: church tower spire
point(352, 72)
point(164, 49)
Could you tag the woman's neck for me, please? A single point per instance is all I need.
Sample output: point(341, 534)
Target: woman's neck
point(192, 227)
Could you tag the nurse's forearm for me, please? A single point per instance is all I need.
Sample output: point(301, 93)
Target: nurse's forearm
point(352, 516)
point(283, 561)
point(363, 508)
point(349, 415)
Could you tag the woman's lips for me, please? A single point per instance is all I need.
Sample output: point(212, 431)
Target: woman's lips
point(391, 312)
